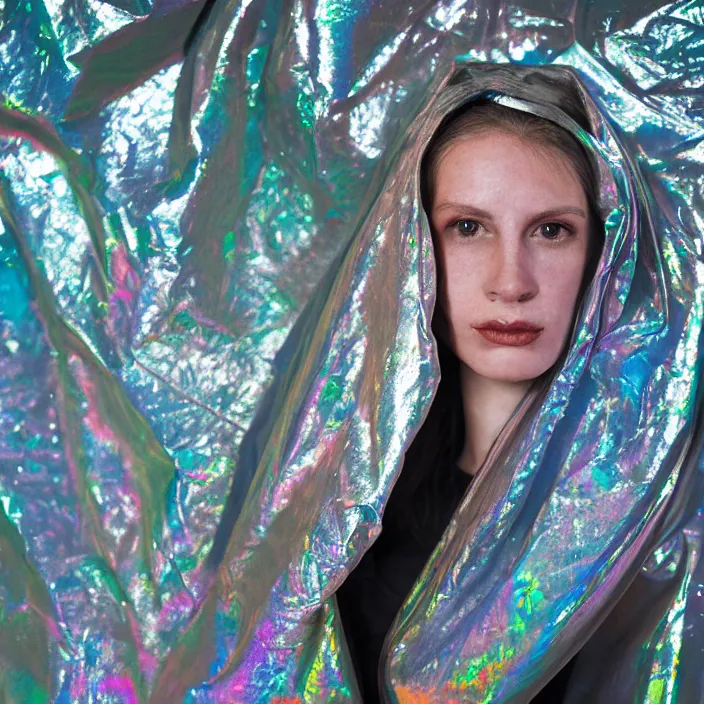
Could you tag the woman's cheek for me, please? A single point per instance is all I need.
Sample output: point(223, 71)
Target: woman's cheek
point(462, 295)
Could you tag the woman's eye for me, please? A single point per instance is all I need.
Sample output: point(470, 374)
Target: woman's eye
point(467, 227)
point(551, 230)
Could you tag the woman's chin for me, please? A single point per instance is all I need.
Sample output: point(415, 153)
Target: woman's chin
point(509, 370)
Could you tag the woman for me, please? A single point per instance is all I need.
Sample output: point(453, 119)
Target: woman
point(584, 482)
point(512, 200)
point(594, 448)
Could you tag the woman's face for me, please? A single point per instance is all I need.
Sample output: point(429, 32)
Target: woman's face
point(510, 225)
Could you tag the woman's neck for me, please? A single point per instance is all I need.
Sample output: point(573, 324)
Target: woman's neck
point(487, 404)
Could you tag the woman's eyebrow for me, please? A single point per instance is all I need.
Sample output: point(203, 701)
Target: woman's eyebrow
point(464, 207)
point(566, 210)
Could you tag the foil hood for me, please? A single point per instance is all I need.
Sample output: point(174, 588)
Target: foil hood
point(577, 492)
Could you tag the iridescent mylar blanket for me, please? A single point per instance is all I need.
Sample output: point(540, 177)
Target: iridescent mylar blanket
point(216, 285)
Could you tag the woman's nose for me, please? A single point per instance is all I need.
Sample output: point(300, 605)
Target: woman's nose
point(510, 277)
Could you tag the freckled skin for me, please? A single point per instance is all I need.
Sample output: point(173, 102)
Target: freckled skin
point(499, 258)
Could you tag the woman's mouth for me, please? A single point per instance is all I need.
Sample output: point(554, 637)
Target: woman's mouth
point(516, 334)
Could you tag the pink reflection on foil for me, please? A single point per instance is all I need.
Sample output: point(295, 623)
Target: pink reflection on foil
point(119, 686)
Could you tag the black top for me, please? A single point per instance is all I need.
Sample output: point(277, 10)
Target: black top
point(375, 590)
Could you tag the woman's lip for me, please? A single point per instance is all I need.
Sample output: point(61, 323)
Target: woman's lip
point(508, 338)
point(515, 326)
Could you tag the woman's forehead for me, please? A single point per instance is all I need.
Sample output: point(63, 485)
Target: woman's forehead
point(496, 163)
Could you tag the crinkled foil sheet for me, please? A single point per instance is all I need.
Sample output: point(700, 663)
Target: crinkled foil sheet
point(216, 286)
